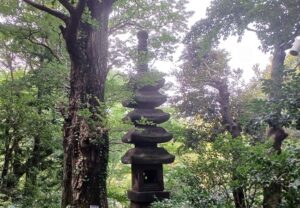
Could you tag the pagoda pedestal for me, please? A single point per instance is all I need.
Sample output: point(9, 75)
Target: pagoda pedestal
point(146, 158)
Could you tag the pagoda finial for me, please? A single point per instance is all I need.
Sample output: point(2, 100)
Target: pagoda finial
point(142, 50)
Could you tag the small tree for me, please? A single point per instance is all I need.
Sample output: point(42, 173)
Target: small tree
point(204, 83)
point(276, 24)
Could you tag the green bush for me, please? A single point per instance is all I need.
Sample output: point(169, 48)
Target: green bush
point(207, 181)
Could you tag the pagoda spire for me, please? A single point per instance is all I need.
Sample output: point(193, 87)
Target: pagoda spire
point(142, 50)
point(146, 158)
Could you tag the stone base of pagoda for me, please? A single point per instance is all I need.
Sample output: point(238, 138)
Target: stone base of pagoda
point(144, 199)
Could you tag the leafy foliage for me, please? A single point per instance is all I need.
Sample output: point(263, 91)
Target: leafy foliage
point(206, 181)
point(274, 22)
point(34, 86)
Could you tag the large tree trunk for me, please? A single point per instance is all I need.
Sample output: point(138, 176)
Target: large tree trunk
point(7, 159)
point(235, 130)
point(273, 193)
point(85, 136)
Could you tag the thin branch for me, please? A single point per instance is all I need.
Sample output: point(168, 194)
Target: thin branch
point(252, 30)
point(45, 46)
point(122, 25)
point(127, 22)
point(54, 13)
point(33, 40)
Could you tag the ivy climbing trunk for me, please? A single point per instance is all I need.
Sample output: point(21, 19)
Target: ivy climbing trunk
point(85, 142)
point(85, 136)
point(273, 193)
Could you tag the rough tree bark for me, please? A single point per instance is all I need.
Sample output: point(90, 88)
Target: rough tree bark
point(273, 193)
point(85, 137)
point(235, 130)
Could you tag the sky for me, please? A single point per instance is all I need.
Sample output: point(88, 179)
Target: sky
point(243, 54)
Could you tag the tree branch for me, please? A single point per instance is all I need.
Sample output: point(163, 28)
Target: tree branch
point(80, 7)
point(252, 30)
point(52, 12)
point(67, 5)
point(30, 37)
point(75, 16)
point(45, 46)
point(122, 25)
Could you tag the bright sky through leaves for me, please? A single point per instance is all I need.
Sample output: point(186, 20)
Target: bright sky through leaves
point(243, 54)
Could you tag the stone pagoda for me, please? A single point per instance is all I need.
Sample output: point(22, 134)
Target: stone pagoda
point(146, 158)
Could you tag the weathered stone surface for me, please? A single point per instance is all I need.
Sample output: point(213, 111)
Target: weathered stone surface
point(140, 155)
point(147, 135)
point(156, 85)
point(145, 99)
point(155, 116)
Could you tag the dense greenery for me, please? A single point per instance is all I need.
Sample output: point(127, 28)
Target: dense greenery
point(234, 141)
